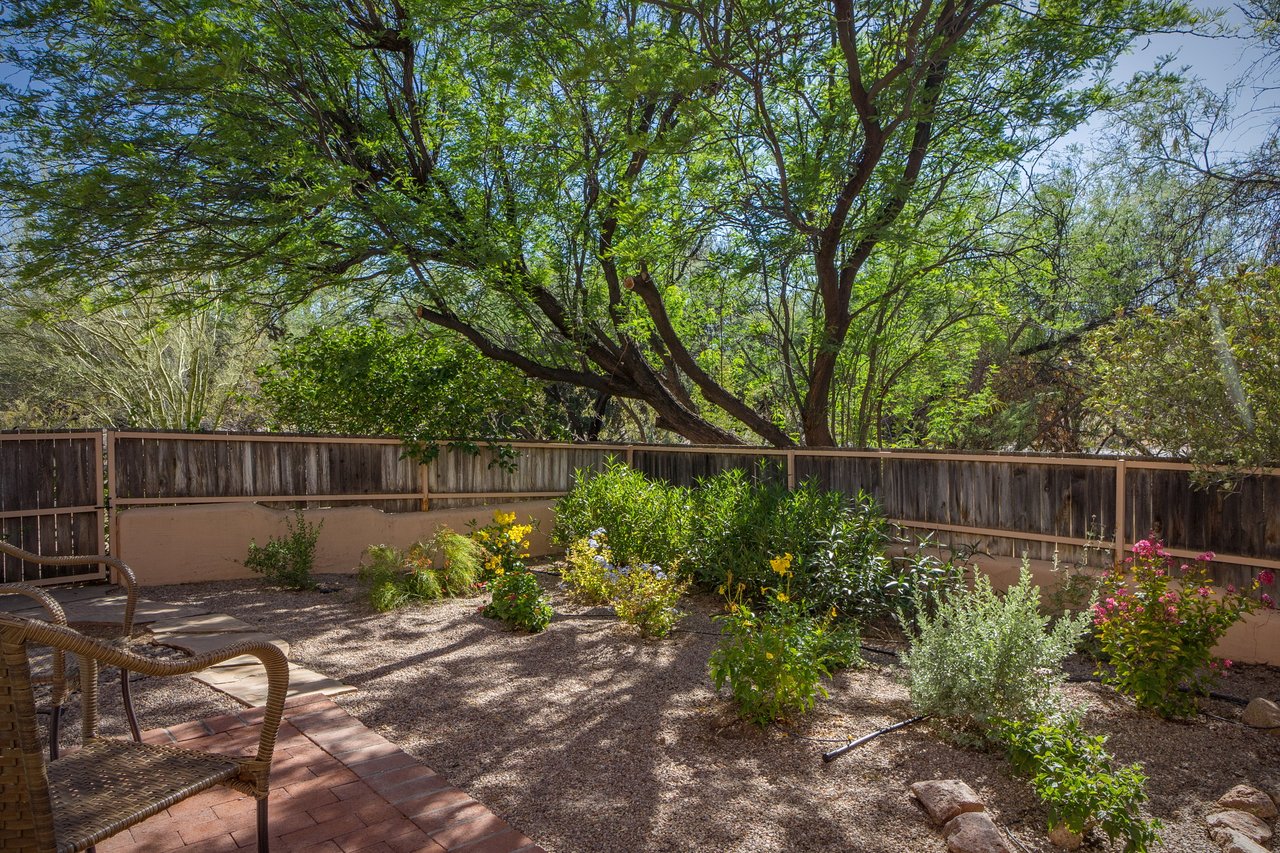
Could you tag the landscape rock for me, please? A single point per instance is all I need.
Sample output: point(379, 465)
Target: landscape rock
point(1233, 842)
point(943, 799)
point(1063, 837)
point(1251, 827)
point(1243, 798)
point(1262, 714)
point(973, 832)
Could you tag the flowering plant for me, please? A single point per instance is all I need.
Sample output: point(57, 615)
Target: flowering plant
point(774, 658)
point(506, 545)
point(1158, 630)
point(644, 595)
point(518, 601)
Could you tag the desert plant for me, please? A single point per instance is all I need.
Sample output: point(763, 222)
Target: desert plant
point(983, 656)
point(588, 569)
point(1076, 778)
point(448, 564)
point(774, 657)
point(519, 601)
point(1158, 636)
point(647, 520)
point(287, 561)
point(646, 596)
point(505, 545)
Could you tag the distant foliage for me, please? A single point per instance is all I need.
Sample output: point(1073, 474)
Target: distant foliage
point(375, 380)
point(287, 561)
point(1078, 780)
point(1157, 624)
point(983, 656)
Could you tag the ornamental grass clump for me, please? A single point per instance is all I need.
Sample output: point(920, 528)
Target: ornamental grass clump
point(447, 565)
point(774, 655)
point(1157, 625)
point(981, 656)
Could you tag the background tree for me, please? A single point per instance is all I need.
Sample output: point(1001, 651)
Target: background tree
point(572, 188)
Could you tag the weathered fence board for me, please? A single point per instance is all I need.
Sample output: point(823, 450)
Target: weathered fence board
point(456, 478)
point(278, 471)
point(51, 502)
point(687, 467)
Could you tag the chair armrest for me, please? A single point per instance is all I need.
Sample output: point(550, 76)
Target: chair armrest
point(123, 572)
point(58, 617)
point(92, 652)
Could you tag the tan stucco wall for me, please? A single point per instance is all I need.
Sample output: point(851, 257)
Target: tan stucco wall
point(1254, 639)
point(165, 545)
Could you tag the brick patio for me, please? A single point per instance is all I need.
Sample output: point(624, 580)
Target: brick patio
point(335, 786)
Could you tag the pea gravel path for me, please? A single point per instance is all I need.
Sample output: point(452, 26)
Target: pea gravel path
point(589, 739)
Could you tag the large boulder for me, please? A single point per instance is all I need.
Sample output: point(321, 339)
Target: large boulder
point(943, 799)
point(973, 832)
point(1243, 798)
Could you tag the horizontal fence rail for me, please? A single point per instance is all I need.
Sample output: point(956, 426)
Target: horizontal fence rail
point(1006, 504)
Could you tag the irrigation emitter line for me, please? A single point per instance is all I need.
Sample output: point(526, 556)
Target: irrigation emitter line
point(828, 757)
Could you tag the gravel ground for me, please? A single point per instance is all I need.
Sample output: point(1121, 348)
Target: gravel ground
point(588, 739)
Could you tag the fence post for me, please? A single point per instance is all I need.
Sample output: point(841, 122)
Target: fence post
point(113, 524)
point(791, 470)
point(631, 455)
point(1120, 509)
point(426, 494)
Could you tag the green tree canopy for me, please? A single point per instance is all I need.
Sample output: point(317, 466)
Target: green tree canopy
point(685, 204)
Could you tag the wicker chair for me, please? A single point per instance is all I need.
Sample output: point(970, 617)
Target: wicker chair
point(107, 785)
point(117, 633)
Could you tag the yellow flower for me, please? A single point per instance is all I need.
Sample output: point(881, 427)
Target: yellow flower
point(782, 564)
point(768, 655)
point(833, 611)
point(720, 589)
point(783, 597)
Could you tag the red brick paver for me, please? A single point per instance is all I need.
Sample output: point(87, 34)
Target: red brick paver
point(335, 786)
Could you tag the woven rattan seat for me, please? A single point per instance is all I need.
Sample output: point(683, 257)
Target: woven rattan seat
point(112, 784)
point(72, 802)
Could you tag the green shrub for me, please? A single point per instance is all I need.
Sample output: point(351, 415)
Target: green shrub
point(588, 569)
point(774, 658)
point(1159, 638)
point(518, 600)
point(287, 561)
point(983, 656)
point(1075, 777)
point(647, 520)
point(646, 596)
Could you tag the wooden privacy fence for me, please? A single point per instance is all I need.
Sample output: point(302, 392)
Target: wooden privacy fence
point(52, 487)
point(51, 502)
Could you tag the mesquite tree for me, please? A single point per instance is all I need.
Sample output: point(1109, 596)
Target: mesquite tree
point(674, 203)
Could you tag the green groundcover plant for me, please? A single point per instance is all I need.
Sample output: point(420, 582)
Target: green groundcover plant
point(287, 561)
point(447, 565)
point(1157, 624)
point(1078, 780)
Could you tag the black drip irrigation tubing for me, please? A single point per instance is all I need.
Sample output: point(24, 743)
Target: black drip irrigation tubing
point(1221, 697)
point(828, 757)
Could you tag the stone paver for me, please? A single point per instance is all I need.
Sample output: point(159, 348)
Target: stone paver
point(335, 786)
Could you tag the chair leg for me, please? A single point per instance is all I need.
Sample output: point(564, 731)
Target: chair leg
point(128, 706)
point(55, 716)
point(264, 843)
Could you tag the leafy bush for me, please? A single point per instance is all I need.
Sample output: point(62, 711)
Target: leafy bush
point(646, 596)
point(588, 568)
point(774, 658)
point(1075, 777)
point(1157, 638)
point(518, 600)
point(506, 544)
point(647, 520)
point(984, 656)
point(393, 578)
point(287, 561)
